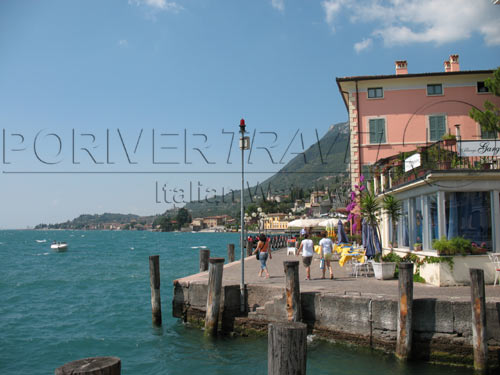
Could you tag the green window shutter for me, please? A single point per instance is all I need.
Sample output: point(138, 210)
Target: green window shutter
point(437, 127)
point(377, 131)
point(380, 131)
point(442, 127)
point(373, 131)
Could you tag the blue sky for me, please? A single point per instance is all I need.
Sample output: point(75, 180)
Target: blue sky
point(193, 67)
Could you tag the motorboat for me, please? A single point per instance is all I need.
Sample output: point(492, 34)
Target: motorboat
point(59, 246)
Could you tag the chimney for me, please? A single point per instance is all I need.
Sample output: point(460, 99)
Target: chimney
point(401, 67)
point(447, 66)
point(455, 66)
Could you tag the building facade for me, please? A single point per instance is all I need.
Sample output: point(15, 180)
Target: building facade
point(393, 113)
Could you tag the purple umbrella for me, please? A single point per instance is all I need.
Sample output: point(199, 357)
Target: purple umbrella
point(342, 236)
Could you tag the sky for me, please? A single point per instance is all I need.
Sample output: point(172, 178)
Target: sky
point(105, 103)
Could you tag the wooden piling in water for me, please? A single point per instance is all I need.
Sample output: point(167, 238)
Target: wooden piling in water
point(230, 252)
point(204, 256)
point(249, 248)
point(91, 366)
point(478, 305)
point(214, 295)
point(154, 280)
point(287, 348)
point(292, 290)
point(405, 311)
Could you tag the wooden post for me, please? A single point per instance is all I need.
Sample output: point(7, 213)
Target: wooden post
point(204, 256)
point(214, 295)
point(292, 290)
point(230, 252)
point(405, 307)
point(287, 348)
point(154, 280)
point(478, 305)
point(91, 366)
point(249, 248)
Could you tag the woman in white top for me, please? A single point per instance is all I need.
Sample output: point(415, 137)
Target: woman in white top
point(307, 250)
point(326, 245)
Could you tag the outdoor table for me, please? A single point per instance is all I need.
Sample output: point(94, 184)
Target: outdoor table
point(348, 255)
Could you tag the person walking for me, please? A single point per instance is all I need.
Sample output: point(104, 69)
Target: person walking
point(264, 250)
point(307, 250)
point(326, 245)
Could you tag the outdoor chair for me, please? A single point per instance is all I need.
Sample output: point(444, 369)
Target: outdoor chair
point(495, 259)
point(360, 267)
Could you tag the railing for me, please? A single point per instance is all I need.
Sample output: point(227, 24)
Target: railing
point(439, 156)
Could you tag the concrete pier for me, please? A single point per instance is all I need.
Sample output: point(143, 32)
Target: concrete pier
point(359, 310)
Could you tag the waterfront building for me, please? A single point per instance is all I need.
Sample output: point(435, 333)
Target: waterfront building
point(275, 221)
point(393, 113)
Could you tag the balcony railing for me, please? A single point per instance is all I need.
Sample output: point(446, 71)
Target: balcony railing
point(439, 156)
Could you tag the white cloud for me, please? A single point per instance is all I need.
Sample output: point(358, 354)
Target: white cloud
point(278, 4)
point(364, 44)
point(402, 22)
point(159, 5)
point(123, 43)
point(332, 8)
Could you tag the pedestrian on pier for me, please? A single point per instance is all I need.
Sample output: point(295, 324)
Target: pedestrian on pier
point(307, 250)
point(264, 250)
point(326, 245)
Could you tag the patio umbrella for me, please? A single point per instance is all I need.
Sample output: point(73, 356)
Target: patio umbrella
point(364, 229)
point(304, 223)
point(372, 241)
point(341, 235)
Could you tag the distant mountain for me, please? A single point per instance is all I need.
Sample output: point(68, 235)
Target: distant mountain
point(323, 164)
point(101, 221)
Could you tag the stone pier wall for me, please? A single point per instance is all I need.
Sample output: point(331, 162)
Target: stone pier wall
point(442, 328)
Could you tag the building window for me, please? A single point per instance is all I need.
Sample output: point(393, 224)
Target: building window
point(403, 226)
point(487, 134)
point(432, 220)
point(375, 92)
point(437, 127)
point(481, 87)
point(468, 215)
point(435, 89)
point(377, 130)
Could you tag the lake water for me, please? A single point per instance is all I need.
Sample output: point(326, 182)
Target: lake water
point(94, 300)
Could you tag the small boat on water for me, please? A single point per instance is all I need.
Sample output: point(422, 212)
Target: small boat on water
point(59, 246)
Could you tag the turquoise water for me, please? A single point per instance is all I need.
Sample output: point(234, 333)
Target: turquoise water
point(94, 300)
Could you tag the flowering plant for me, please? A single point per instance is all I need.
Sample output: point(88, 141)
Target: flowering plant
point(351, 207)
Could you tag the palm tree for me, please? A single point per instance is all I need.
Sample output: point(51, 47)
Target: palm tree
point(370, 206)
point(392, 207)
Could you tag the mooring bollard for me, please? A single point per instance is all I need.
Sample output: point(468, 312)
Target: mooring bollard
point(405, 309)
point(230, 252)
point(249, 248)
point(204, 256)
point(287, 348)
point(292, 290)
point(214, 295)
point(154, 280)
point(478, 305)
point(91, 366)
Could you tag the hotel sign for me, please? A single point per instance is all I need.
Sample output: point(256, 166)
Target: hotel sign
point(479, 148)
point(412, 162)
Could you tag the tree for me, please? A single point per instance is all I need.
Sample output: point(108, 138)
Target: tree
point(183, 217)
point(392, 208)
point(489, 119)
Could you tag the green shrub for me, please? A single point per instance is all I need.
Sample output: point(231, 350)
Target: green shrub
point(455, 246)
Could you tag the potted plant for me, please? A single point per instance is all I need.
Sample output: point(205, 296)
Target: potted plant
point(370, 207)
point(417, 246)
point(392, 208)
point(449, 139)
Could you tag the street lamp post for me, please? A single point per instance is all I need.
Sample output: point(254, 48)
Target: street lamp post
point(244, 145)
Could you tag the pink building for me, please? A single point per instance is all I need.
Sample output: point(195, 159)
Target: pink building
point(393, 113)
